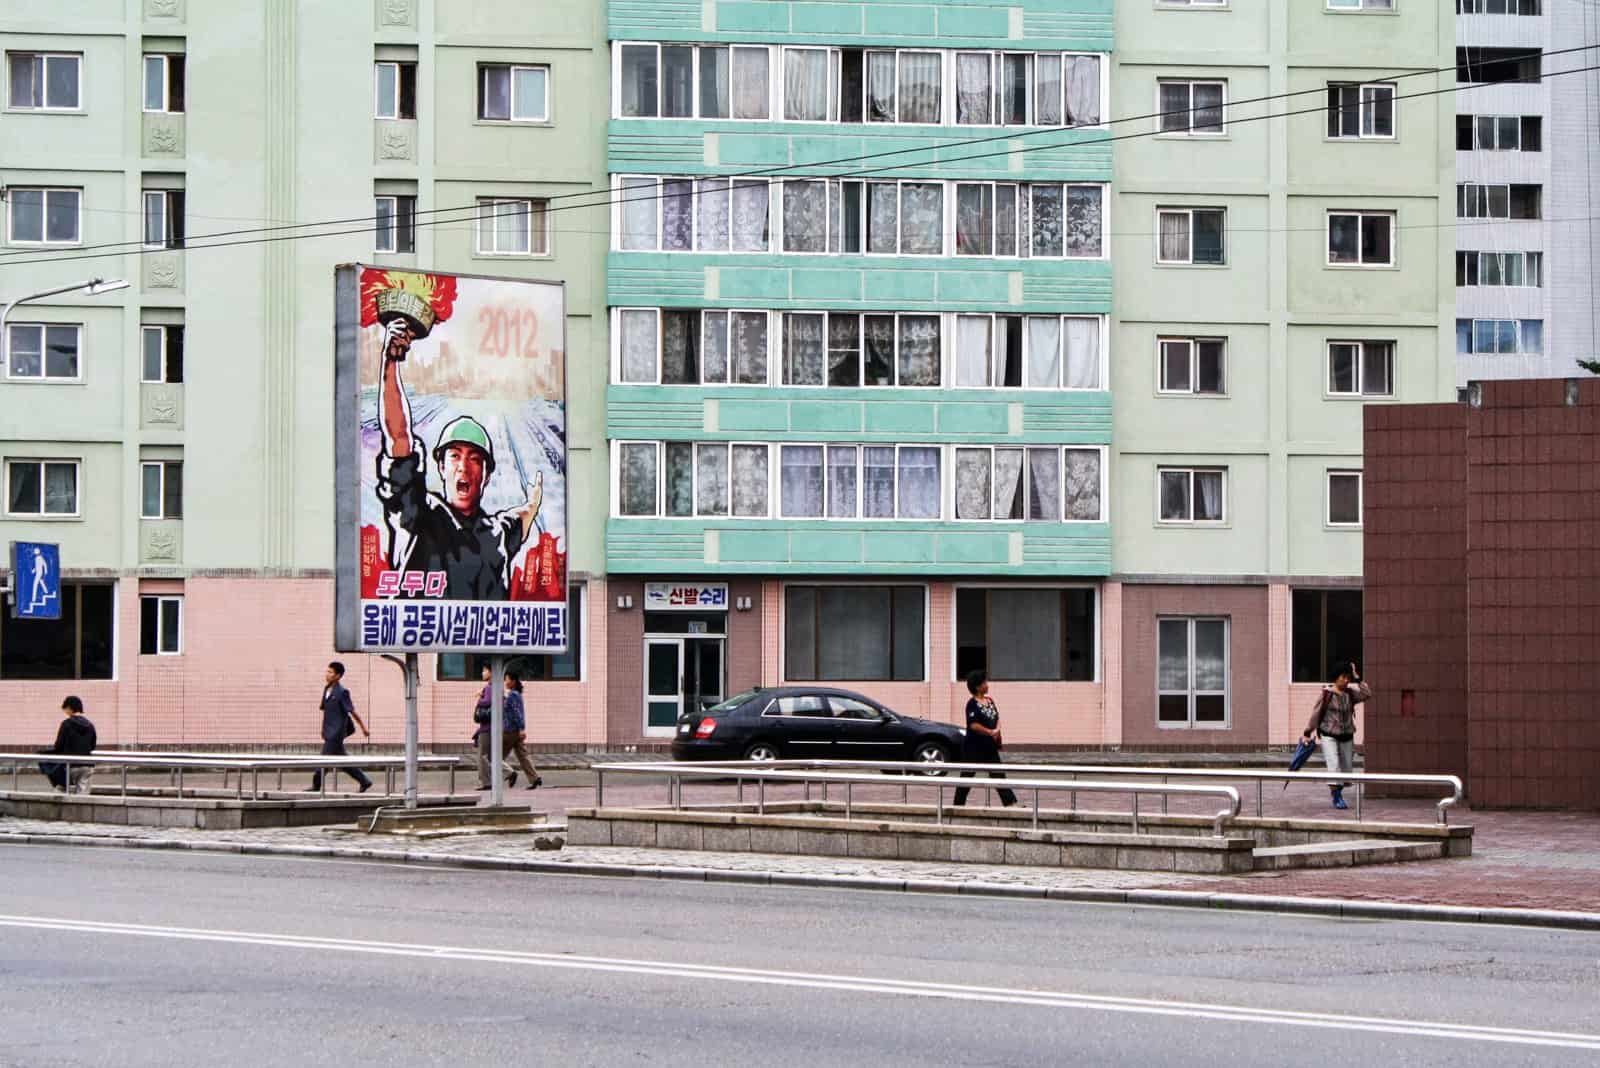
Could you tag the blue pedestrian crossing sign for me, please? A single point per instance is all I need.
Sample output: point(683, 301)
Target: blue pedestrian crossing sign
point(35, 580)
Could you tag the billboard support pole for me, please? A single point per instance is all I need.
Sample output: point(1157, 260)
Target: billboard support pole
point(497, 670)
point(409, 666)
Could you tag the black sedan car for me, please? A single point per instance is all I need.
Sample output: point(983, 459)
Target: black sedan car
point(811, 723)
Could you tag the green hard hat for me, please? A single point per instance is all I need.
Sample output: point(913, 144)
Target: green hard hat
point(465, 430)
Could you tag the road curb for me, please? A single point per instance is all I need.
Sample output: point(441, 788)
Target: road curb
point(1330, 908)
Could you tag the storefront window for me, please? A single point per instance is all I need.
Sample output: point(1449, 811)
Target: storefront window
point(79, 645)
point(1021, 634)
point(854, 633)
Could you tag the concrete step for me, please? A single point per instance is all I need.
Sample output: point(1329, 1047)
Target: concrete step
point(1345, 854)
point(398, 820)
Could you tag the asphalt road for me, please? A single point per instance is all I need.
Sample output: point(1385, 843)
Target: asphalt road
point(144, 958)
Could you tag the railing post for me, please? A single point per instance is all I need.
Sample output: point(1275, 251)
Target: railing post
point(1359, 791)
point(180, 784)
point(124, 782)
point(739, 781)
point(1036, 808)
point(599, 787)
point(938, 806)
point(761, 797)
point(1164, 782)
point(848, 787)
point(1258, 799)
point(1136, 812)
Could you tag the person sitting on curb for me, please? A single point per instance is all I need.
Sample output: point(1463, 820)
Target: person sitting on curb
point(1333, 720)
point(75, 737)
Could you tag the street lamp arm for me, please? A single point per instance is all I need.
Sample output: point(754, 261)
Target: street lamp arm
point(93, 285)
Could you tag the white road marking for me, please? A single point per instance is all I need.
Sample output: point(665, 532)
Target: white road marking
point(820, 981)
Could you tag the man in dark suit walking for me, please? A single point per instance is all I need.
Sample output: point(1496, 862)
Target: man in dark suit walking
point(339, 721)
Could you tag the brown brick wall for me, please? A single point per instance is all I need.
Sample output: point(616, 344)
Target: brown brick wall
point(1246, 609)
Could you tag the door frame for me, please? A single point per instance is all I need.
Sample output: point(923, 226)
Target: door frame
point(722, 663)
point(649, 730)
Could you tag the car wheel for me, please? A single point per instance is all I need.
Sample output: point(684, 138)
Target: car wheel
point(931, 754)
point(765, 752)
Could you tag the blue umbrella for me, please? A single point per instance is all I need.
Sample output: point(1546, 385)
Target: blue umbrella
point(1302, 753)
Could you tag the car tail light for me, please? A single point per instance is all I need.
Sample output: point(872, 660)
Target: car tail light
point(707, 725)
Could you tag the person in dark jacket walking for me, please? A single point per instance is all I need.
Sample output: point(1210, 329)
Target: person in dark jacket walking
point(482, 713)
point(1333, 720)
point(75, 737)
point(982, 742)
point(514, 738)
point(339, 721)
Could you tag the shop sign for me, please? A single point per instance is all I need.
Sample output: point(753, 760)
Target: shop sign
point(685, 597)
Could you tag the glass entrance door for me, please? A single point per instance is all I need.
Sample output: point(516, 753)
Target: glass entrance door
point(703, 673)
point(663, 684)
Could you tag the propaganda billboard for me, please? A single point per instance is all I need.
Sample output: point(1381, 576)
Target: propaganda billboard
point(450, 463)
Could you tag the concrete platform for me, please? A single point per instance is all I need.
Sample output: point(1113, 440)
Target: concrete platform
point(213, 813)
point(481, 819)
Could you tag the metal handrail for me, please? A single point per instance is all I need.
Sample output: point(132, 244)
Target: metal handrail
point(1358, 779)
point(228, 763)
point(764, 772)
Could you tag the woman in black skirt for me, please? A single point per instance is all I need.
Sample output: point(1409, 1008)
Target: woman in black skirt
point(982, 744)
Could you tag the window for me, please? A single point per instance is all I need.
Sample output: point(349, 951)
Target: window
point(887, 86)
point(866, 482)
point(42, 487)
point(889, 218)
point(1056, 220)
point(1192, 673)
point(163, 218)
point(162, 354)
point(686, 346)
point(396, 219)
point(44, 216)
point(163, 84)
point(1036, 351)
point(1191, 108)
point(1360, 5)
point(1484, 65)
point(1475, 201)
point(809, 94)
point(1361, 238)
point(160, 626)
point(1500, 269)
point(513, 94)
point(79, 645)
point(854, 633)
point(693, 214)
point(1498, 7)
point(850, 349)
point(161, 489)
point(1500, 133)
point(1192, 495)
point(44, 351)
point(555, 667)
point(1499, 337)
point(678, 479)
point(673, 81)
point(1027, 89)
point(1326, 633)
point(1020, 635)
point(1190, 235)
point(1361, 368)
point(1361, 111)
point(1194, 365)
point(1344, 499)
point(1191, 3)
point(1049, 484)
point(513, 227)
point(44, 81)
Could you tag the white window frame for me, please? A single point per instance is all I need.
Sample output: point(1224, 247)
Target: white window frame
point(996, 77)
point(1327, 497)
point(161, 330)
point(386, 229)
point(950, 509)
point(538, 225)
point(165, 59)
point(1479, 146)
point(1361, 262)
point(44, 376)
point(45, 58)
point(1190, 692)
point(827, 581)
point(1480, 191)
point(827, 472)
point(1193, 5)
point(1361, 7)
point(164, 603)
point(1366, 106)
point(1192, 471)
point(1532, 267)
point(161, 466)
point(42, 462)
point(158, 202)
point(694, 483)
point(1193, 342)
point(835, 208)
point(620, 197)
point(1360, 393)
point(1190, 131)
point(616, 346)
point(774, 80)
point(953, 349)
point(45, 192)
point(1520, 351)
point(512, 70)
point(776, 357)
point(779, 83)
point(1189, 211)
point(381, 67)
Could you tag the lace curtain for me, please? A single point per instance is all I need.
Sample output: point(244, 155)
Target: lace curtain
point(1083, 353)
point(1174, 237)
point(639, 214)
point(841, 481)
point(750, 83)
point(711, 480)
point(713, 223)
point(1008, 484)
point(844, 350)
point(919, 350)
point(880, 87)
point(805, 84)
point(805, 216)
point(920, 77)
point(751, 481)
point(638, 480)
point(883, 217)
point(1044, 484)
point(800, 481)
point(972, 350)
point(1083, 90)
point(1083, 220)
point(974, 490)
point(1044, 351)
point(750, 216)
point(1046, 218)
point(677, 215)
point(974, 93)
point(1083, 483)
point(1047, 91)
point(638, 328)
point(680, 478)
point(714, 346)
point(880, 351)
point(680, 356)
point(922, 219)
point(803, 350)
point(714, 83)
point(877, 498)
point(974, 220)
point(919, 488)
point(750, 348)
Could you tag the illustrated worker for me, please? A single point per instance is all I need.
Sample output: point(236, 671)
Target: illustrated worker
point(446, 531)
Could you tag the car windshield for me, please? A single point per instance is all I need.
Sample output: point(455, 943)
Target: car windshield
point(732, 703)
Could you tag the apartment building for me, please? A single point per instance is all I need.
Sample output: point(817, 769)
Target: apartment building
point(860, 405)
point(176, 437)
point(1527, 181)
point(1282, 251)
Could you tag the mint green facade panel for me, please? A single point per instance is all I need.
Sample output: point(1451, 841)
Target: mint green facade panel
point(973, 418)
point(825, 547)
point(969, 547)
point(753, 416)
point(976, 22)
point(901, 21)
point(752, 16)
point(826, 285)
point(825, 417)
point(829, 20)
point(912, 547)
point(901, 417)
point(754, 546)
point(763, 284)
